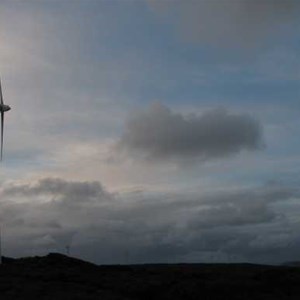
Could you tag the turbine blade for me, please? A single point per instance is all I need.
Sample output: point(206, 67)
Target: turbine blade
point(2, 130)
point(1, 96)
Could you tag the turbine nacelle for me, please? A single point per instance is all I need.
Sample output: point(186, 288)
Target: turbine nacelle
point(5, 108)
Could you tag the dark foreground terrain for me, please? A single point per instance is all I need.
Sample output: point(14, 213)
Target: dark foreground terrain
point(57, 276)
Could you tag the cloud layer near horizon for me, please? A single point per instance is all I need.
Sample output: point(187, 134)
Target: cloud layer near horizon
point(51, 213)
point(158, 133)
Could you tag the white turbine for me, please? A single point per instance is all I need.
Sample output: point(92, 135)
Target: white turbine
point(3, 109)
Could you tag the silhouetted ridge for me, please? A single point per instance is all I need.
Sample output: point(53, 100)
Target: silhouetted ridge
point(51, 260)
point(64, 260)
point(58, 276)
point(292, 264)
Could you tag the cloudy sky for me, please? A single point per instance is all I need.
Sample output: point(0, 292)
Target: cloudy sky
point(151, 130)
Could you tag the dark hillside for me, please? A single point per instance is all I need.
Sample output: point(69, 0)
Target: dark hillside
point(56, 276)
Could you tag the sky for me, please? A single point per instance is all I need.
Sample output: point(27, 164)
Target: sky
point(147, 131)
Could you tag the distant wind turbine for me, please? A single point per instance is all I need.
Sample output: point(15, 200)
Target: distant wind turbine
point(3, 109)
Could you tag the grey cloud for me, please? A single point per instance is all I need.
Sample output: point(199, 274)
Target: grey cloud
point(234, 215)
point(156, 228)
point(158, 133)
point(60, 188)
point(229, 23)
point(243, 207)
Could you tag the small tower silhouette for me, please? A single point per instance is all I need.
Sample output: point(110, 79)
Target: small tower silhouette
point(68, 248)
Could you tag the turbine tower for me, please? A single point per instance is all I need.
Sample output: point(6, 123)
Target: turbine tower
point(3, 108)
point(0, 247)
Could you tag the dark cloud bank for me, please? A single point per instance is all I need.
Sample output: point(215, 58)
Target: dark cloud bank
point(241, 224)
point(158, 133)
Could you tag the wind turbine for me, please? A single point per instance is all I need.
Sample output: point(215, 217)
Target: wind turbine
point(3, 109)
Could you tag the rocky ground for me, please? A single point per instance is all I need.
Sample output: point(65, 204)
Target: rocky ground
point(56, 276)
